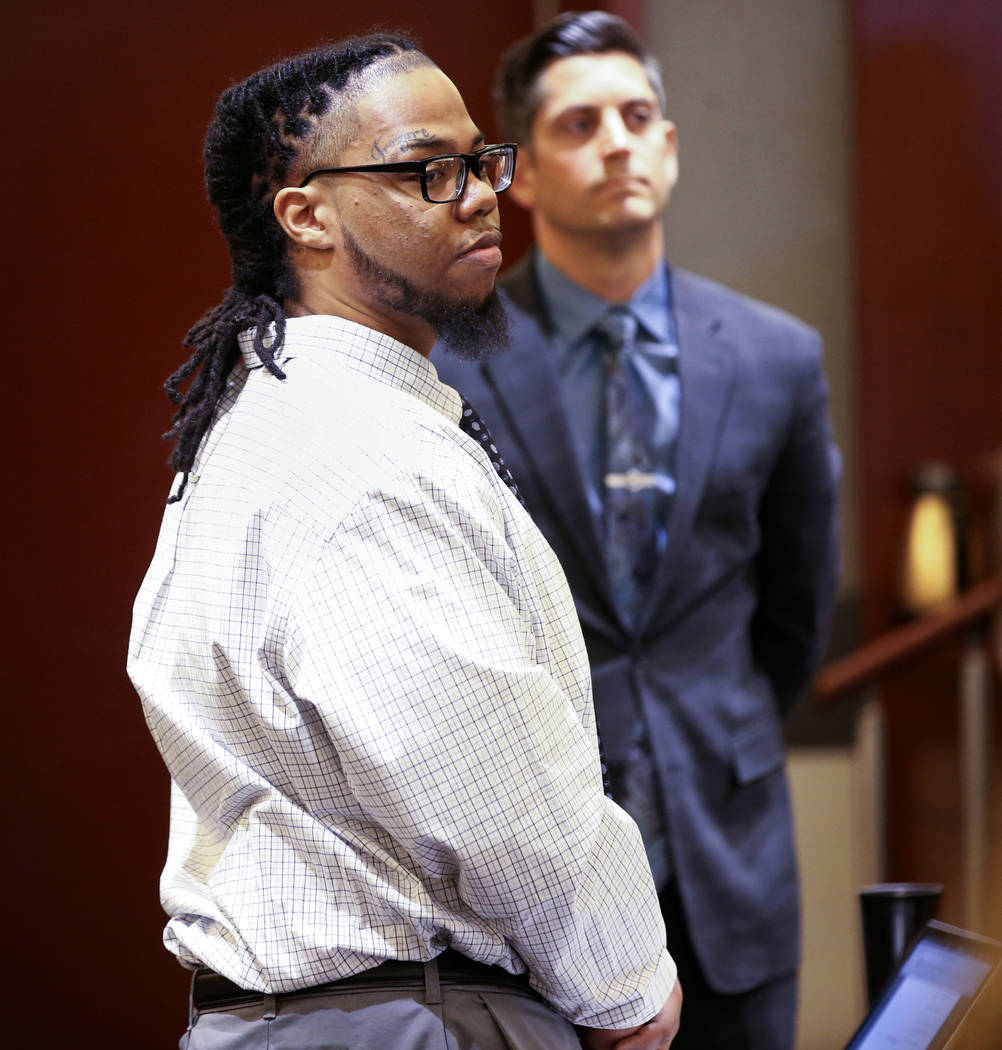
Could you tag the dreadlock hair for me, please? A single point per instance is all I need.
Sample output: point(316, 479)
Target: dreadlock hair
point(263, 128)
point(517, 92)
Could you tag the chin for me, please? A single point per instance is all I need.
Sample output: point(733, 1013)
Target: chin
point(485, 292)
point(473, 284)
point(473, 329)
point(625, 222)
point(636, 208)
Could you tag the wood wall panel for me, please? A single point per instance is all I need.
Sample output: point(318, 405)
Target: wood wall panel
point(929, 284)
point(929, 277)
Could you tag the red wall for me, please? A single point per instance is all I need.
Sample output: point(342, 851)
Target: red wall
point(929, 274)
point(929, 285)
point(111, 255)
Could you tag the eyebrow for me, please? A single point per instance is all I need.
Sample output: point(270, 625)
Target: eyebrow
point(585, 107)
point(417, 142)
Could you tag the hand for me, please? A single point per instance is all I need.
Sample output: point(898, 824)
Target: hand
point(657, 1034)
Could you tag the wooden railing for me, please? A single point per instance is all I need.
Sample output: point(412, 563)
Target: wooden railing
point(871, 661)
point(968, 616)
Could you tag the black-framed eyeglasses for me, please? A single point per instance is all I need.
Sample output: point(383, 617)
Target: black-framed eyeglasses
point(443, 178)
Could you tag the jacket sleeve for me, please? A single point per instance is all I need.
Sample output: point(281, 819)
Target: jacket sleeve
point(797, 565)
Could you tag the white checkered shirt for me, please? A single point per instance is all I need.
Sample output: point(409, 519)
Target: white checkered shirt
point(362, 665)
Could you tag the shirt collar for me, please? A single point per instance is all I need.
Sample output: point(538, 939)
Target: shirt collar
point(332, 341)
point(574, 310)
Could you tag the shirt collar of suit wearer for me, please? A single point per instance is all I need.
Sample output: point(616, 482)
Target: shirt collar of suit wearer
point(574, 310)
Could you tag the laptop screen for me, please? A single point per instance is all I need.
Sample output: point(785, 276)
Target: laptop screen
point(930, 992)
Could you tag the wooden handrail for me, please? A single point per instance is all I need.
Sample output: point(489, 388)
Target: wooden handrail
point(870, 661)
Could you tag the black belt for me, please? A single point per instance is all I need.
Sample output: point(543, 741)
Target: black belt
point(212, 991)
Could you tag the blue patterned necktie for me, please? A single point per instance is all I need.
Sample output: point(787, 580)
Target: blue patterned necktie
point(633, 501)
point(471, 423)
point(632, 497)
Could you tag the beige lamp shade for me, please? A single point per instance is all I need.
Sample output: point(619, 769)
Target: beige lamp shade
point(929, 574)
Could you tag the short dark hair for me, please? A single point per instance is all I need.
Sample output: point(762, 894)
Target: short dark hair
point(266, 129)
point(517, 95)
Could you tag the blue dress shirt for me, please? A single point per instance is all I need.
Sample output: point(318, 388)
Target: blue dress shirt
point(653, 364)
point(575, 311)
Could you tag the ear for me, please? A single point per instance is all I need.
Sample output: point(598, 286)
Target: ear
point(671, 156)
point(523, 187)
point(306, 215)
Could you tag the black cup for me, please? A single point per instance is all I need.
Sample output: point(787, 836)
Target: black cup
point(893, 912)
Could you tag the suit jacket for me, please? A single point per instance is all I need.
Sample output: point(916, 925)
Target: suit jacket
point(738, 614)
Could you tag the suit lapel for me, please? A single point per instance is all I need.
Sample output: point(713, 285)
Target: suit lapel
point(527, 390)
point(706, 380)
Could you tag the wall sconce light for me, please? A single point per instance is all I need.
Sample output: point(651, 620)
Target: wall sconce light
point(933, 569)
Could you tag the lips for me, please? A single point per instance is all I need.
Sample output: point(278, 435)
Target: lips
point(485, 250)
point(488, 239)
point(621, 182)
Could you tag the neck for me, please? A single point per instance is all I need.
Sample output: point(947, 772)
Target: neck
point(612, 264)
point(317, 298)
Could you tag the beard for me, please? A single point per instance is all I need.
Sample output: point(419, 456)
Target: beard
point(470, 330)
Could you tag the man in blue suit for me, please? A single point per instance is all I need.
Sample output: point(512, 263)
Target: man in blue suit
point(671, 439)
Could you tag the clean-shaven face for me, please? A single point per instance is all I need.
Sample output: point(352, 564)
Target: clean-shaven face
point(602, 156)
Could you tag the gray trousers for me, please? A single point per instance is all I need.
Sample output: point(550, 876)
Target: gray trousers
point(434, 1014)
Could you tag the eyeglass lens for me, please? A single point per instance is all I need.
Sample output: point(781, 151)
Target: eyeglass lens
point(445, 179)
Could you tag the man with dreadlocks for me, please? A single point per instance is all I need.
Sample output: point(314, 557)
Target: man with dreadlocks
point(356, 654)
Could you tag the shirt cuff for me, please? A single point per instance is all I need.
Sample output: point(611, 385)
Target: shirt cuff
point(657, 983)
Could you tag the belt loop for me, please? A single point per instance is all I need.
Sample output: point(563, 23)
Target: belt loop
point(270, 1007)
point(432, 985)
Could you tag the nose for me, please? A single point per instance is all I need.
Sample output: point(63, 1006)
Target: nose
point(478, 197)
point(613, 132)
